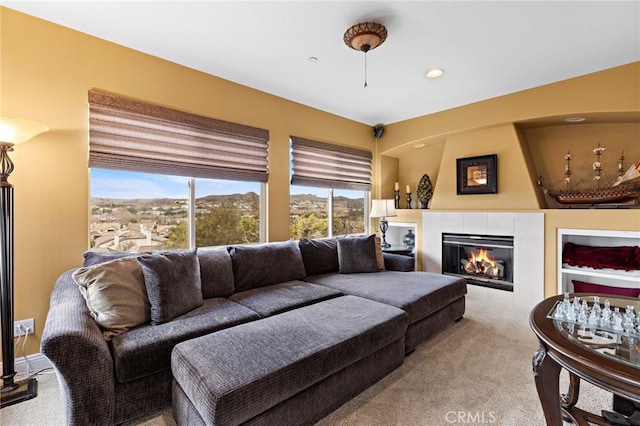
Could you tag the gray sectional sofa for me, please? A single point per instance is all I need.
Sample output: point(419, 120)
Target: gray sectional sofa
point(272, 333)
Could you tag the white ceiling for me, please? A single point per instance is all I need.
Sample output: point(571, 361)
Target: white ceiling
point(487, 49)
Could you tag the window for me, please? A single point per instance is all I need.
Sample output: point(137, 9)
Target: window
point(313, 212)
point(348, 211)
point(164, 179)
point(329, 189)
point(137, 212)
point(227, 212)
point(308, 212)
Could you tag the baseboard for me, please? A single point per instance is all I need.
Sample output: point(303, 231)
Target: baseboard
point(37, 362)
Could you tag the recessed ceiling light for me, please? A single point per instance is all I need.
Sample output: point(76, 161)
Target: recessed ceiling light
point(312, 59)
point(574, 119)
point(434, 73)
point(418, 145)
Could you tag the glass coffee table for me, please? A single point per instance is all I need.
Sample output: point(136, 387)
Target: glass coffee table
point(598, 344)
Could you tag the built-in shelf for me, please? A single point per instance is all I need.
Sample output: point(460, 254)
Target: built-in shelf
point(596, 238)
point(397, 230)
point(619, 275)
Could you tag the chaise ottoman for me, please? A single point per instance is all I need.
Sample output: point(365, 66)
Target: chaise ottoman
point(292, 368)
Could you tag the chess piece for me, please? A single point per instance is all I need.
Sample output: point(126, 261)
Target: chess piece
point(594, 316)
point(605, 316)
point(560, 311)
point(616, 319)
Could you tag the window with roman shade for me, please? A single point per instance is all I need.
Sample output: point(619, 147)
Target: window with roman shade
point(128, 134)
point(325, 165)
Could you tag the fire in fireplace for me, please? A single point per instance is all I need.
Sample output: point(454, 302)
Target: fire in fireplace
point(485, 260)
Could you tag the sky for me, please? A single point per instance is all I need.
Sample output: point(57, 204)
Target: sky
point(127, 185)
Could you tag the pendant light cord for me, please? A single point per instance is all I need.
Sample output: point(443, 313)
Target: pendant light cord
point(365, 70)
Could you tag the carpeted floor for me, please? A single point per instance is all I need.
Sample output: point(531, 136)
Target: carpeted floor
point(477, 371)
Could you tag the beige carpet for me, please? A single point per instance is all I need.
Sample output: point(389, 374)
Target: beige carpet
point(477, 371)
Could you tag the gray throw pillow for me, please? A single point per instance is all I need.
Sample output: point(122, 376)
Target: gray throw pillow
point(216, 272)
point(357, 254)
point(94, 258)
point(259, 265)
point(320, 256)
point(173, 283)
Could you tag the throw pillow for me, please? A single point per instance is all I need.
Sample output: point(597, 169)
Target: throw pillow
point(95, 258)
point(320, 256)
point(623, 257)
point(216, 272)
point(379, 256)
point(115, 294)
point(357, 254)
point(582, 287)
point(259, 265)
point(173, 283)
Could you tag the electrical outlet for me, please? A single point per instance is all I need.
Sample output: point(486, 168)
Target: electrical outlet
point(19, 327)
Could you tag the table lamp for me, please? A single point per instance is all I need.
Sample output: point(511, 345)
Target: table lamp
point(383, 209)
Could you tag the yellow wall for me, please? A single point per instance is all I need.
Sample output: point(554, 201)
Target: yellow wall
point(515, 190)
point(46, 72)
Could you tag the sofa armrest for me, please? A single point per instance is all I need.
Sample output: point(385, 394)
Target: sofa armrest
point(74, 344)
point(398, 262)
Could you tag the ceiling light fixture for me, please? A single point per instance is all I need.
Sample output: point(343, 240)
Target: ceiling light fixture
point(364, 37)
point(434, 73)
point(575, 119)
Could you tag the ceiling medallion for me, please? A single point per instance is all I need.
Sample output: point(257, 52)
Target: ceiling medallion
point(364, 37)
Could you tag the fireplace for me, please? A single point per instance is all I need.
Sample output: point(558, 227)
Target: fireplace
point(485, 260)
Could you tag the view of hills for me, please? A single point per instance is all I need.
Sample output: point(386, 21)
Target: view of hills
point(172, 210)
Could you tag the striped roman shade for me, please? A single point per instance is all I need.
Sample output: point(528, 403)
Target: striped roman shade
point(325, 165)
point(127, 134)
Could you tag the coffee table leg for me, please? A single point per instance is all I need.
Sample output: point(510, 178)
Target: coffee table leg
point(571, 397)
point(546, 373)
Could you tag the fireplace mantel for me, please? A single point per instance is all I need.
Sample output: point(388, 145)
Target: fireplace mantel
point(527, 230)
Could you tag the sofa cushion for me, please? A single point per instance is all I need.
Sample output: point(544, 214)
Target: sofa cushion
point(265, 264)
point(173, 283)
point(146, 350)
point(357, 255)
point(115, 293)
point(419, 294)
point(235, 374)
point(399, 262)
point(320, 256)
point(216, 272)
point(95, 258)
point(277, 298)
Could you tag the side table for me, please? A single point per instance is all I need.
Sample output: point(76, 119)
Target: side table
point(403, 250)
point(613, 365)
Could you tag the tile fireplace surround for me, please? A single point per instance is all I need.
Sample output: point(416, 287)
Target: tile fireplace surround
point(527, 230)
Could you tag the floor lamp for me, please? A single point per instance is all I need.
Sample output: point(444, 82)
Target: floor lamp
point(13, 131)
point(383, 209)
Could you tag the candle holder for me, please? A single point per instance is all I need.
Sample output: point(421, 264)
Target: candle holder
point(408, 200)
point(396, 197)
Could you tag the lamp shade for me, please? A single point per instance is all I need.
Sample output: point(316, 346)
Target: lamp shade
point(383, 208)
point(16, 130)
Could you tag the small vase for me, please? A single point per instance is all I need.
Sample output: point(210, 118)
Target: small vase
point(409, 239)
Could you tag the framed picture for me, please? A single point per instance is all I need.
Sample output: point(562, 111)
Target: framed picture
point(477, 175)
